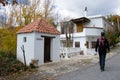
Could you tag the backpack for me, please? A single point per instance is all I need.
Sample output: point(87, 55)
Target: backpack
point(102, 42)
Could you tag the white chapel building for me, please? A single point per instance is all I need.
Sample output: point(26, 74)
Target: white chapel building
point(40, 41)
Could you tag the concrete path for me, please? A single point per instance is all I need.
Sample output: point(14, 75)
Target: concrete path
point(112, 71)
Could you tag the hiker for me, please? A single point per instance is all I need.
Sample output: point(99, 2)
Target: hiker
point(102, 46)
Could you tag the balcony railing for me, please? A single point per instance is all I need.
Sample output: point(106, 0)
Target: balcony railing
point(87, 31)
point(67, 52)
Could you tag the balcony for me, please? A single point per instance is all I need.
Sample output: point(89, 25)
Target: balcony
point(87, 31)
point(92, 31)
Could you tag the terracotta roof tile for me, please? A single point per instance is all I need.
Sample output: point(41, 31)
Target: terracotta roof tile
point(40, 25)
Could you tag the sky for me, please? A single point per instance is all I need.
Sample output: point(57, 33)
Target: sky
point(75, 8)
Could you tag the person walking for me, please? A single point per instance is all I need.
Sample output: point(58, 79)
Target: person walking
point(102, 46)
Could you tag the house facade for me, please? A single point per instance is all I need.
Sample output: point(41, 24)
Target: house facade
point(86, 30)
point(40, 42)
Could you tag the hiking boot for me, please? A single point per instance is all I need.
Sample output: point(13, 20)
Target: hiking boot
point(102, 69)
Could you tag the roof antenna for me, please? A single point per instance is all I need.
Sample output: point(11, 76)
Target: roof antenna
point(85, 12)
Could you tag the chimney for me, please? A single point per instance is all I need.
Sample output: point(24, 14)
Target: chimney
point(85, 12)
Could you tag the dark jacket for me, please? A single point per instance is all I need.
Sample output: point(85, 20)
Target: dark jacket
point(105, 48)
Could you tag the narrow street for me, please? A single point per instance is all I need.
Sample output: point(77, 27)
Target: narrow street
point(77, 68)
point(112, 71)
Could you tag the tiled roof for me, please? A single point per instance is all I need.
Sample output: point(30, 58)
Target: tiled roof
point(40, 25)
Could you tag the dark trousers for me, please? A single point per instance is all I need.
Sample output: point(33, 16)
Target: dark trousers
point(102, 57)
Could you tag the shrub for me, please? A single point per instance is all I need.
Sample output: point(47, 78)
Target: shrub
point(9, 64)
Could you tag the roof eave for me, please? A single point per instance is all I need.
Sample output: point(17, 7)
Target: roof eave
point(81, 20)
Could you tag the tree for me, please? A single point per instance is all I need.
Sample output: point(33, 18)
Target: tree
point(34, 10)
point(8, 38)
point(6, 19)
point(115, 20)
point(67, 29)
point(5, 2)
point(114, 34)
point(22, 15)
point(25, 13)
point(48, 6)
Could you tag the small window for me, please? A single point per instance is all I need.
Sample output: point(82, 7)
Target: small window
point(77, 44)
point(25, 39)
point(93, 44)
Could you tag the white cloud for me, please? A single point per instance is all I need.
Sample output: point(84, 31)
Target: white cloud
point(76, 7)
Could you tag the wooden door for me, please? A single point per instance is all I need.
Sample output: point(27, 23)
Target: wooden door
point(47, 49)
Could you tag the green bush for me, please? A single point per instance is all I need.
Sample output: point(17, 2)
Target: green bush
point(113, 37)
point(9, 64)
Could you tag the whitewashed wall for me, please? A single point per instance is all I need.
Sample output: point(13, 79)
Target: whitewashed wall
point(92, 31)
point(39, 47)
point(81, 40)
point(95, 22)
point(28, 47)
point(55, 49)
point(34, 47)
point(91, 39)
